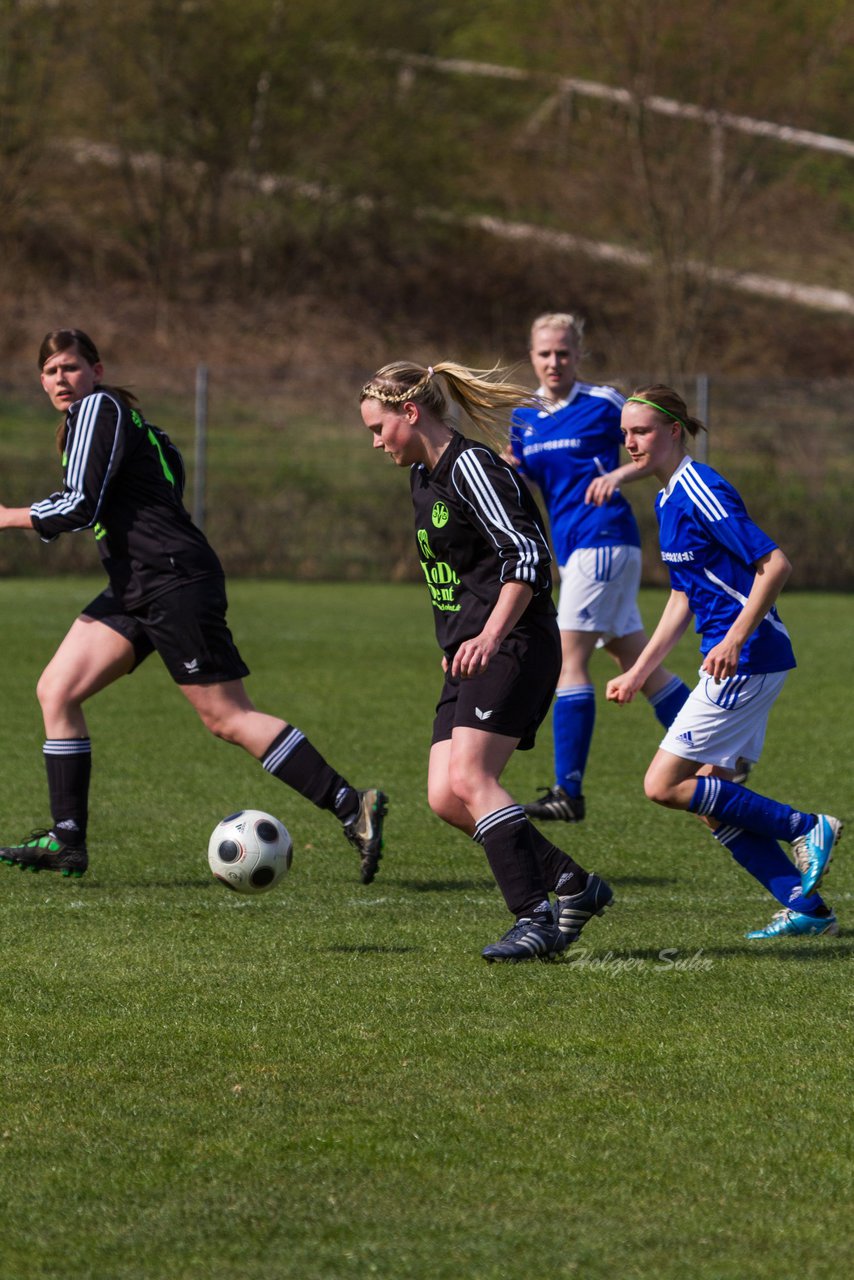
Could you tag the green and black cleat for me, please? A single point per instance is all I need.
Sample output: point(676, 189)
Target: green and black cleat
point(365, 831)
point(42, 851)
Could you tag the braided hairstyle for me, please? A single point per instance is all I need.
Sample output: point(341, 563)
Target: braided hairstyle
point(485, 395)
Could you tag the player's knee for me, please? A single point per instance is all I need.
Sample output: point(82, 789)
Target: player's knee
point(52, 693)
point(225, 727)
point(656, 789)
point(443, 805)
point(442, 800)
point(462, 782)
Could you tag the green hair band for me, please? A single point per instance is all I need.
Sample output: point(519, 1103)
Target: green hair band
point(653, 405)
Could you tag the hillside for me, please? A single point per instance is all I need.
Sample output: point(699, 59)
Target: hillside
point(247, 179)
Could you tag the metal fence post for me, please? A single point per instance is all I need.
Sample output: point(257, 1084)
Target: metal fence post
point(700, 447)
point(199, 475)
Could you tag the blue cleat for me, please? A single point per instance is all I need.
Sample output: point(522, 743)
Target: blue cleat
point(794, 924)
point(813, 852)
point(527, 940)
point(572, 913)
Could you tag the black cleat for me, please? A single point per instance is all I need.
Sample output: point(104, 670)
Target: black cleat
point(572, 913)
point(365, 831)
point(556, 805)
point(528, 939)
point(43, 852)
point(743, 768)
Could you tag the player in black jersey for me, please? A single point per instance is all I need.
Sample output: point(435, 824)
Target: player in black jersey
point(123, 478)
point(486, 562)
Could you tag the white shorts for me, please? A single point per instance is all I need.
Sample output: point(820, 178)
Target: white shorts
point(722, 720)
point(599, 592)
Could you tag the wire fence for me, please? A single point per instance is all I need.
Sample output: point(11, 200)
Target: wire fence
point(286, 484)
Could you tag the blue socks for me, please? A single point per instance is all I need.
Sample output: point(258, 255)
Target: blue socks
point(735, 806)
point(667, 703)
point(573, 719)
point(763, 858)
point(575, 715)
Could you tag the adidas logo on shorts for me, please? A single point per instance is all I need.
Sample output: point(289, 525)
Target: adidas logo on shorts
point(687, 738)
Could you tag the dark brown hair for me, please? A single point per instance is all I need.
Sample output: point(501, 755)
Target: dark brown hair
point(63, 340)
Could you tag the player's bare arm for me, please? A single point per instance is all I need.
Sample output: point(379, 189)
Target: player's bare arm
point(671, 627)
point(600, 490)
point(15, 518)
point(473, 656)
point(772, 572)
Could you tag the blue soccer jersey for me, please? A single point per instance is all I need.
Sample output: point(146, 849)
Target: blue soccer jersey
point(563, 448)
point(710, 545)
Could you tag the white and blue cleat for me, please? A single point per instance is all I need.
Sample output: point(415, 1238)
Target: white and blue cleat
point(795, 924)
point(813, 852)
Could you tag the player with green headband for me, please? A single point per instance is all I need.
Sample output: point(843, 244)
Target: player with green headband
point(725, 574)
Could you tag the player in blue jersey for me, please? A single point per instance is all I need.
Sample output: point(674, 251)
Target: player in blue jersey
point(485, 560)
point(726, 574)
point(569, 446)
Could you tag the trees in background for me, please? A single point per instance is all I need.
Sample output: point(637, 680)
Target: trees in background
point(212, 149)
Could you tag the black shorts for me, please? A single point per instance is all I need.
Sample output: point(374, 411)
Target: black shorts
point(185, 626)
point(513, 695)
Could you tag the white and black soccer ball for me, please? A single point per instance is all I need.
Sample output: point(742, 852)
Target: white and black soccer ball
point(250, 851)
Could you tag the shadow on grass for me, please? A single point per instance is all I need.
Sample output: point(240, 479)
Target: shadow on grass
point(445, 886)
point(669, 955)
point(655, 881)
point(203, 882)
point(777, 949)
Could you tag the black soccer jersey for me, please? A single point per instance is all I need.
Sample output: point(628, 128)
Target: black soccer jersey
point(477, 527)
point(124, 479)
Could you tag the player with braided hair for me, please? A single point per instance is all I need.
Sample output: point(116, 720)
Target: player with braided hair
point(124, 479)
point(485, 559)
point(726, 574)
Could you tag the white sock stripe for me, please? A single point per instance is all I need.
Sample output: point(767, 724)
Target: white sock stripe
point(726, 835)
point(67, 746)
point(711, 789)
point(511, 814)
point(274, 759)
point(670, 687)
point(576, 693)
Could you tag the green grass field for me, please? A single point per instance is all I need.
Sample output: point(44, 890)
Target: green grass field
point(328, 1082)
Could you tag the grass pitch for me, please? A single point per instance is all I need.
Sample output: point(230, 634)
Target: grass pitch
point(327, 1081)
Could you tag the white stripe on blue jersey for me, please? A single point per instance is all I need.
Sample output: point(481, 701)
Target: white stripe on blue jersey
point(770, 617)
point(711, 548)
point(701, 493)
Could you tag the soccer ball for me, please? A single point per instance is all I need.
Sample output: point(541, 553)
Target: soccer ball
point(250, 851)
